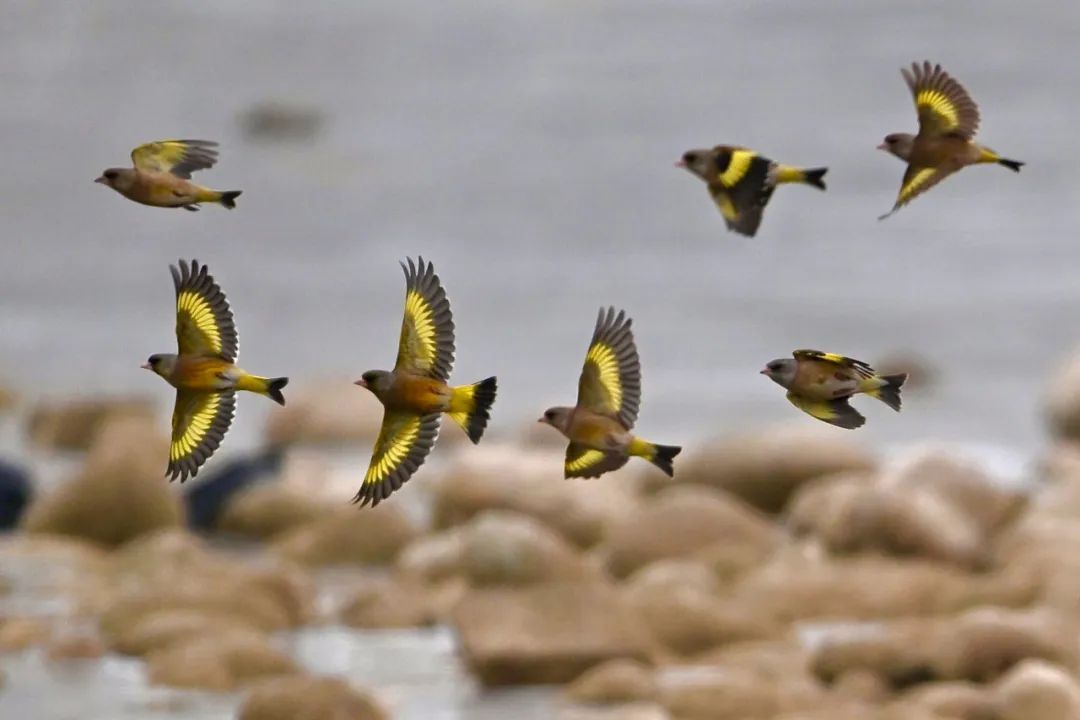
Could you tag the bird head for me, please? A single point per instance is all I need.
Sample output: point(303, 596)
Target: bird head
point(700, 162)
point(557, 417)
point(117, 178)
point(899, 144)
point(377, 381)
point(161, 364)
point(781, 371)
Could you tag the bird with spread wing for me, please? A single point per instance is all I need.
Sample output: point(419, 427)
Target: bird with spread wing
point(203, 371)
point(609, 395)
point(741, 182)
point(820, 384)
point(416, 393)
point(161, 175)
point(948, 121)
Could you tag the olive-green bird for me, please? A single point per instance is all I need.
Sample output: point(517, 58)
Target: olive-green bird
point(948, 121)
point(416, 393)
point(820, 384)
point(203, 371)
point(609, 395)
point(741, 182)
point(161, 175)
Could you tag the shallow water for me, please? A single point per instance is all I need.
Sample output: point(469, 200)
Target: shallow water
point(526, 148)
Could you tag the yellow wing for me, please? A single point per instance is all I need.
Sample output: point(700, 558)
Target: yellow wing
point(179, 157)
point(199, 424)
point(204, 322)
point(584, 462)
point(427, 331)
point(944, 106)
point(858, 366)
point(917, 180)
point(743, 185)
point(610, 382)
point(835, 412)
point(403, 443)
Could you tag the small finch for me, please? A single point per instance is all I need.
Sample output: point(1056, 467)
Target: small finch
point(203, 371)
point(416, 393)
point(741, 182)
point(162, 172)
point(948, 121)
point(820, 384)
point(609, 394)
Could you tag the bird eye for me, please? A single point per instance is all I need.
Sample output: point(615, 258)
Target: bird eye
point(110, 174)
point(549, 414)
point(689, 158)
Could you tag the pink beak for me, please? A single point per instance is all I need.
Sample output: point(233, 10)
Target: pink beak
point(765, 372)
point(361, 382)
point(680, 164)
point(883, 146)
point(101, 180)
point(147, 366)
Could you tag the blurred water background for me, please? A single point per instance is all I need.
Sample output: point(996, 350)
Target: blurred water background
point(527, 148)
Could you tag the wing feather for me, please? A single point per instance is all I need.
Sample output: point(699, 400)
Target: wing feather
point(404, 442)
point(942, 103)
point(179, 157)
point(860, 368)
point(426, 346)
point(610, 382)
point(585, 462)
point(199, 424)
point(204, 321)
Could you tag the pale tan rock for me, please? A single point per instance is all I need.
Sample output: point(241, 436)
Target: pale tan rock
point(349, 536)
point(614, 682)
point(304, 697)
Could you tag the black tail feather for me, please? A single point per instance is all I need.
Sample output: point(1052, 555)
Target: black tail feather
point(228, 198)
point(664, 457)
point(273, 389)
point(816, 177)
point(890, 393)
point(1013, 165)
point(483, 398)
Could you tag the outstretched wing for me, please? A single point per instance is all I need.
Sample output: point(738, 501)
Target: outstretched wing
point(404, 442)
point(585, 462)
point(204, 322)
point(610, 382)
point(199, 424)
point(917, 180)
point(835, 412)
point(944, 106)
point(179, 157)
point(858, 366)
point(427, 331)
point(742, 188)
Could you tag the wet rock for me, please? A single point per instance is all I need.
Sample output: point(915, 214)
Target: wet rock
point(217, 663)
point(16, 491)
point(332, 413)
point(389, 603)
point(159, 629)
point(681, 521)
point(208, 497)
point(530, 481)
point(117, 495)
point(372, 536)
point(506, 548)
point(281, 120)
point(765, 468)
point(614, 682)
point(74, 424)
point(549, 633)
point(304, 697)
point(1037, 690)
point(270, 510)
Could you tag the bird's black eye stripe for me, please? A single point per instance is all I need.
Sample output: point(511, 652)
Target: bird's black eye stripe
point(723, 159)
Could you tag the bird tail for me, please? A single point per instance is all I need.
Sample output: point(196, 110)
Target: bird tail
point(1013, 165)
point(470, 407)
point(228, 198)
point(806, 176)
point(271, 387)
point(986, 155)
point(661, 456)
point(888, 390)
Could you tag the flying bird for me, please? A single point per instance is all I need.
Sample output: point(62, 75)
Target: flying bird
point(203, 371)
point(609, 394)
point(161, 175)
point(741, 182)
point(948, 121)
point(820, 384)
point(416, 393)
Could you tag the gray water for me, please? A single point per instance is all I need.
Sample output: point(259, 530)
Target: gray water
point(527, 148)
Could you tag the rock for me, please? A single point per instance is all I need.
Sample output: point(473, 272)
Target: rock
point(332, 413)
point(1063, 400)
point(16, 492)
point(74, 647)
point(984, 643)
point(268, 511)
point(530, 482)
point(765, 468)
point(207, 497)
point(281, 120)
point(372, 536)
point(549, 633)
point(217, 663)
point(119, 494)
point(614, 682)
point(505, 548)
point(900, 653)
point(626, 711)
point(681, 521)
point(960, 700)
point(389, 603)
point(74, 424)
point(303, 697)
point(733, 694)
point(862, 686)
point(9, 399)
point(435, 558)
point(156, 630)
point(21, 633)
point(1037, 690)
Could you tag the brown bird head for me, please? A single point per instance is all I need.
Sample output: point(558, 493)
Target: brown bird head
point(162, 364)
point(703, 162)
point(557, 417)
point(781, 371)
point(899, 144)
point(119, 179)
point(377, 381)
